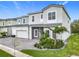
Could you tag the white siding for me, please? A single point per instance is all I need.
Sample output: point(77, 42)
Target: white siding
point(58, 15)
point(45, 20)
point(37, 19)
point(20, 20)
point(66, 23)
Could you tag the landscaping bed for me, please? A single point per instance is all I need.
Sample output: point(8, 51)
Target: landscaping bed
point(72, 48)
point(4, 54)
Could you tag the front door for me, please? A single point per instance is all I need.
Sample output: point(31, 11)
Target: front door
point(35, 33)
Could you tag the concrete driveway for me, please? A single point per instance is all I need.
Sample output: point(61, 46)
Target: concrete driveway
point(18, 43)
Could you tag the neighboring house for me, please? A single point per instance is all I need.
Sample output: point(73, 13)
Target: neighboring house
point(6, 23)
point(33, 25)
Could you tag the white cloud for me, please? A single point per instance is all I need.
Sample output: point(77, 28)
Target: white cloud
point(16, 5)
point(65, 3)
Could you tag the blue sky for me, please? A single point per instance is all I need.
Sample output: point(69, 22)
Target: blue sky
point(11, 9)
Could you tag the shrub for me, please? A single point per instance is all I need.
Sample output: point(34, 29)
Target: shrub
point(38, 45)
point(46, 42)
point(50, 44)
point(59, 44)
point(3, 34)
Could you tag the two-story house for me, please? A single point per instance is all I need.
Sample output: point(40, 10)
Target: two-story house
point(32, 25)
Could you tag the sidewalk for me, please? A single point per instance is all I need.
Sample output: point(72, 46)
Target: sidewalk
point(13, 52)
point(74, 56)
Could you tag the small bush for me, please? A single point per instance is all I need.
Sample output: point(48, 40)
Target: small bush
point(38, 45)
point(59, 44)
point(47, 43)
point(3, 34)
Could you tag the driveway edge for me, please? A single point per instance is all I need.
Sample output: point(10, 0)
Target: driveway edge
point(13, 52)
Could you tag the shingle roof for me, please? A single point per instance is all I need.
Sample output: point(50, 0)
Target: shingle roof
point(8, 19)
point(21, 17)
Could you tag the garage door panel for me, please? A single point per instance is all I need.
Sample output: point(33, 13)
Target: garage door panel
point(21, 34)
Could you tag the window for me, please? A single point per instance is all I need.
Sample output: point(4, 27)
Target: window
point(35, 32)
point(51, 15)
point(41, 16)
point(3, 23)
point(32, 18)
point(18, 20)
point(23, 20)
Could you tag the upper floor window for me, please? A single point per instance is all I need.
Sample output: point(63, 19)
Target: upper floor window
point(41, 16)
point(32, 18)
point(19, 20)
point(51, 15)
point(23, 20)
point(3, 23)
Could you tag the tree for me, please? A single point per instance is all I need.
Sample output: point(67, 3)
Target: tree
point(75, 26)
point(59, 29)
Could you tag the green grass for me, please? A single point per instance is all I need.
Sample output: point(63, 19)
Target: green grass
point(72, 48)
point(4, 54)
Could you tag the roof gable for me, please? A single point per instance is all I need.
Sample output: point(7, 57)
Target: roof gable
point(49, 6)
point(54, 5)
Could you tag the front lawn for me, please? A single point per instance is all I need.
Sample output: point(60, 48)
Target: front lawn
point(72, 48)
point(4, 54)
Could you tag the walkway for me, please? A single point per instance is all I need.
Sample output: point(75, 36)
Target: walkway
point(13, 52)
